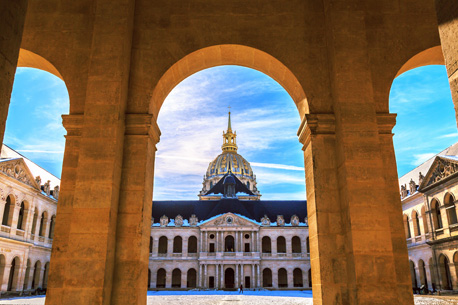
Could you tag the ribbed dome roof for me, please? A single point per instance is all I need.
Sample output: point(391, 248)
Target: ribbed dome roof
point(226, 160)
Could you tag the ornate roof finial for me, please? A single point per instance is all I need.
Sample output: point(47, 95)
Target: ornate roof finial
point(229, 143)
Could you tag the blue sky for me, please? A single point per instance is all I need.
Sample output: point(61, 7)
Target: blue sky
point(194, 116)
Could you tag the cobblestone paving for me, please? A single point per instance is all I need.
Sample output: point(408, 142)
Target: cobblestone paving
point(233, 299)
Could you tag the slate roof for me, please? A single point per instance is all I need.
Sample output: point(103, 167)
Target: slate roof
point(218, 188)
point(205, 209)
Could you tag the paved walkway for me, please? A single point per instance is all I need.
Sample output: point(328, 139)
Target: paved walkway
point(233, 298)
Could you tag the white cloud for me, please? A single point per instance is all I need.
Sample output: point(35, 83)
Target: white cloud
point(421, 158)
point(450, 135)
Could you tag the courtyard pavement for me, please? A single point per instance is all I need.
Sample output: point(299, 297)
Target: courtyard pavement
point(233, 298)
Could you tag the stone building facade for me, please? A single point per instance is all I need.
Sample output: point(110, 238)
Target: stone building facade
point(430, 212)
point(28, 201)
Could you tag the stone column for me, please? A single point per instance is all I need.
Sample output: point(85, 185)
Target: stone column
point(155, 246)
point(253, 277)
point(205, 276)
point(223, 283)
point(428, 276)
point(93, 203)
point(216, 276)
point(288, 246)
point(15, 219)
point(12, 17)
point(134, 210)
point(274, 245)
point(200, 275)
point(6, 276)
point(236, 280)
point(236, 244)
point(242, 278)
point(447, 19)
point(169, 246)
point(201, 242)
point(258, 274)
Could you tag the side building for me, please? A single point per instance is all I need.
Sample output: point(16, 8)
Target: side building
point(428, 195)
point(28, 201)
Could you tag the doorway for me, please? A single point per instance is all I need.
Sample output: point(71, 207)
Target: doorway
point(229, 278)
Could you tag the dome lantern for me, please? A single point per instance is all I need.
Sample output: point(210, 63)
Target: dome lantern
point(229, 142)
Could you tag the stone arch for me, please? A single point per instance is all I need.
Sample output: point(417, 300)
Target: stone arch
point(416, 223)
point(407, 226)
point(413, 274)
point(281, 244)
point(163, 241)
point(444, 273)
point(43, 221)
point(229, 244)
point(176, 278)
point(229, 54)
point(266, 277)
point(431, 56)
point(296, 244)
point(266, 245)
point(297, 278)
point(160, 278)
point(8, 211)
point(436, 214)
point(28, 59)
point(282, 278)
point(191, 278)
point(450, 208)
point(192, 244)
point(177, 244)
point(36, 275)
point(422, 271)
point(45, 276)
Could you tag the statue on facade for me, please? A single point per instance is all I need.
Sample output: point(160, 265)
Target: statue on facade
point(280, 221)
point(403, 191)
point(55, 192)
point(164, 221)
point(420, 178)
point(306, 221)
point(412, 187)
point(265, 221)
point(193, 220)
point(178, 221)
point(47, 187)
point(38, 180)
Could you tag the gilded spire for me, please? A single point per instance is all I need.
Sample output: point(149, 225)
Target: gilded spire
point(229, 143)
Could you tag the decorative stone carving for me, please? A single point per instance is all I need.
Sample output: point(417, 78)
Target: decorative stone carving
point(55, 192)
point(412, 187)
point(164, 221)
point(306, 221)
point(280, 221)
point(16, 170)
point(178, 221)
point(442, 169)
point(193, 220)
point(38, 180)
point(265, 221)
point(152, 221)
point(420, 178)
point(294, 220)
point(47, 187)
point(403, 191)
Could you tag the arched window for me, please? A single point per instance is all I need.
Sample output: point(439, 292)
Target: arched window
point(296, 244)
point(422, 270)
point(43, 220)
point(307, 243)
point(281, 245)
point(266, 277)
point(177, 244)
point(160, 278)
point(52, 224)
point(266, 245)
point(36, 275)
point(413, 274)
point(34, 221)
point(176, 278)
point(150, 245)
point(45, 276)
point(191, 279)
point(416, 223)
point(192, 244)
point(8, 211)
point(449, 203)
point(436, 214)
point(297, 278)
point(229, 244)
point(444, 271)
point(162, 245)
point(13, 276)
point(407, 226)
point(282, 278)
point(21, 217)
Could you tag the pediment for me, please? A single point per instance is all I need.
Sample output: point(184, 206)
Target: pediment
point(17, 169)
point(443, 167)
point(229, 220)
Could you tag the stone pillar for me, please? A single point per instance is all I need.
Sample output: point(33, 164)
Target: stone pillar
point(6, 276)
point(200, 277)
point(236, 244)
point(253, 277)
point(155, 246)
point(274, 277)
point(242, 277)
point(168, 278)
point(93, 203)
point(258, 274)
point(236, 280)
point(447, 19)
point(134, 211)
point(12, 17)
point(274, 245)
point(216, 276)
point(289, 246)
point(290, 277)
point(15, 219)
point(201, 242)
point(169, 246)
point(205, 276)
point(428, 276)
point(223, 283)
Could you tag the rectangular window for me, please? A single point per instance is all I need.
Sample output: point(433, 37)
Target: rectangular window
point(247, 247)
point(212, 247)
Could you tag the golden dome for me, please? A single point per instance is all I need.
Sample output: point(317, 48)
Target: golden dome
point(238, 165)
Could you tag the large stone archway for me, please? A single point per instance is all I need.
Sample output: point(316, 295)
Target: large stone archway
point(120, 58)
